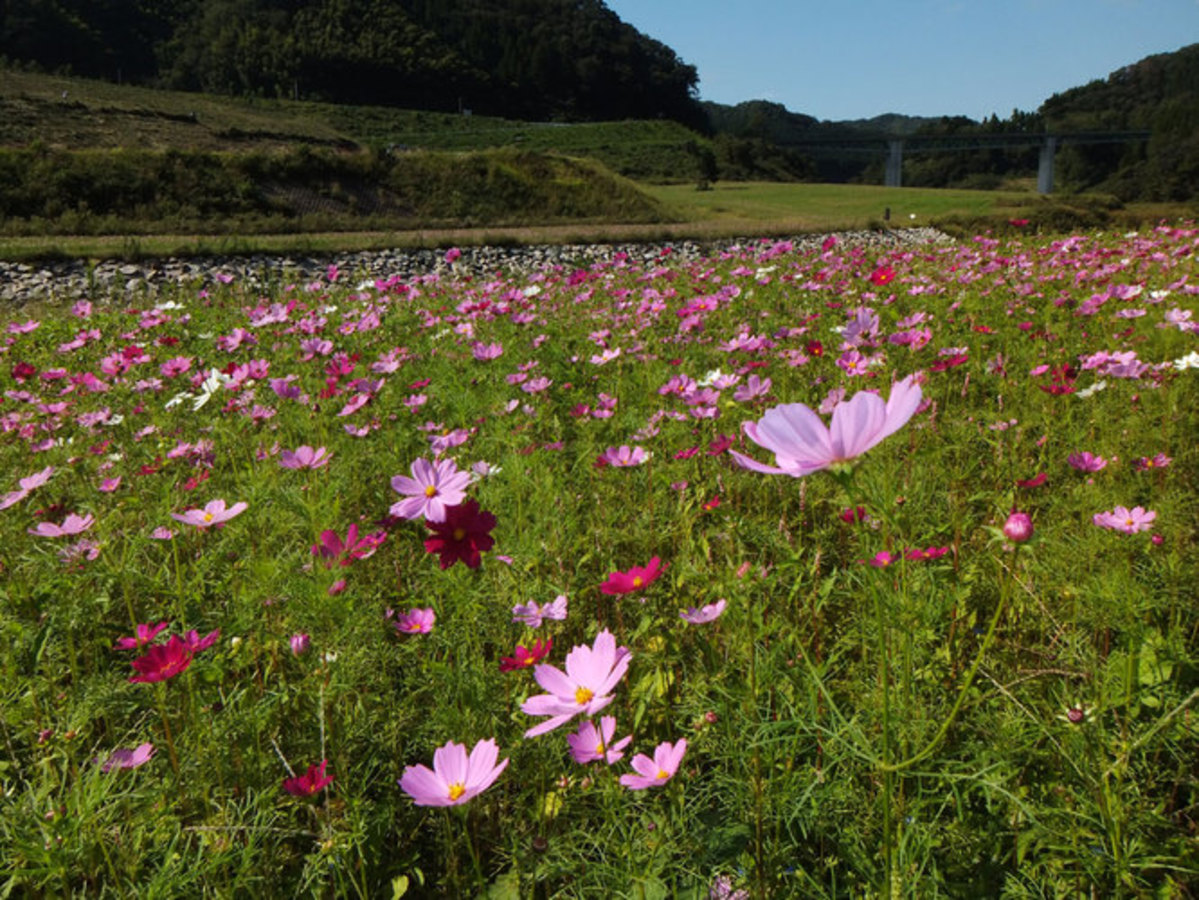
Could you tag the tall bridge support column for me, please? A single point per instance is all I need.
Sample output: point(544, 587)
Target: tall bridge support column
point(1045, 166)
point(894, 174)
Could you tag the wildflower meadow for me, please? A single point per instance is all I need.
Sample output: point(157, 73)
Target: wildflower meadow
point(828, 571)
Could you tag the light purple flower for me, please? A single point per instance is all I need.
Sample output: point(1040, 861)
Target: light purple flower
point(128, 759)
point(37, 479)
point(590, 744)
point(432, 487)
point(585, 687)
point(305, 457)
point(709, 613)
point(213, 513)
point(455, 777)
point(657, 771)
point(624, 456)
point(415, 621)
point(1129, 521)
point(802, 444)
point(1086, 461)
point(533, 613)
point(72, 524)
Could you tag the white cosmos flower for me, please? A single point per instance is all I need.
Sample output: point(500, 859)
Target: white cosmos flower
point(1190, 361)
point(1093, 389)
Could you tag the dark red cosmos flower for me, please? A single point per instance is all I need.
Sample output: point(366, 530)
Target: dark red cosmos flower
point(636, 579)
point(462, 536)
point(1035, 481)
point(310, 782)
point(814, 348)
point(527, 658)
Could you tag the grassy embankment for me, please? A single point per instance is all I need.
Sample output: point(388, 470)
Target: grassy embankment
point(95, 169)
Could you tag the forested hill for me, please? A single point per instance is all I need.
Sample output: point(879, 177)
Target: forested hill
point(530, 59)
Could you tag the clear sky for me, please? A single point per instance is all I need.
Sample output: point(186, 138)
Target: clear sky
point(854, 59)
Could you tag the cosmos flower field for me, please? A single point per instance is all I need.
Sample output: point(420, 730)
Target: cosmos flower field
point(815, 572)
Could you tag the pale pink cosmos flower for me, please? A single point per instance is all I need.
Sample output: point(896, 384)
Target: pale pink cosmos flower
point(657, 771)
point(802, 444)
point(432, 487)
point(533, 613)
point(704, 614)
point(213, 513)
point(455, 777)
point(305, 457)
point(72, 524)
point(1129, 521)
point(37, 479)
point(12, 498)
point(585, 687)
point(590, 744)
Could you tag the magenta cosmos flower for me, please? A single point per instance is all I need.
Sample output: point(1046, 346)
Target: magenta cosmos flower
point(635, 579)
point(143, 634)
point(72, 524)
point(1130, 521)
point(1086, 461)
point(311, 782)
point(455, 776)
point(162, 661)
point(656, 771)
point(802, 444)
point(432, 487)
point(1018, 527)
point(213, 513)
point(462, 536)
point(416, 621)
point(590, 744)
point(585, 687)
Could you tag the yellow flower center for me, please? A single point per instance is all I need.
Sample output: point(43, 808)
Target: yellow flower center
point(1128, 522)
point(207, 517)
point(583, 695)
point(430, 491)
point(663, 774)
point(638, 581)
point(457, 789)
point(599, 749)
point(459, 533)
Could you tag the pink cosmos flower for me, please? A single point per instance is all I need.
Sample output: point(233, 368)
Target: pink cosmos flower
point(142, 635)
point(1160, 461)
point(416, 621)
point(635, 579)
point(1086, 461)
point(128, 759)
point(432, 487)
point(590, 744)
point(37, 479)
point(527, 657)
point(108, 485)
point(304, 457)
point(533, 613)
point(12, 498)
point(591, 674)
point(709, 613)
point(162, 661)
point(332, 549)
point(72, 524)
point(1129, 521)
point(455, 777)
point(299, 644)
point(624, 456)
point(802, 444)
point(1018, 527)
point(213, 513)
point(657, 771)
point(311, 782)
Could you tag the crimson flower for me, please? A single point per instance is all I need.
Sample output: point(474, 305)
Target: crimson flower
point(882, 275)
point(635, 579)
point(311, 782)
point(526, 658)
point(462, 535)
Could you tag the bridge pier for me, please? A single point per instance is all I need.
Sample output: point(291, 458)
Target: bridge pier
point(1045, 165)
point(894, 173)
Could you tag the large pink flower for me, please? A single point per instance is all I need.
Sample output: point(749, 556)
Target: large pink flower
point(432, 487)
point(455, 777)
point(72, 524)
point(585, 687)
point(802, 444)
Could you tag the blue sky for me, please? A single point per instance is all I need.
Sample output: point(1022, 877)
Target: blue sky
point(850, 59)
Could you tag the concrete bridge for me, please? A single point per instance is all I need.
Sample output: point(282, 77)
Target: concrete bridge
point(894, 147)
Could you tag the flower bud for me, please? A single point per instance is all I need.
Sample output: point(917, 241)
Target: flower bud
point(299, 643)
point(1018, 527)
